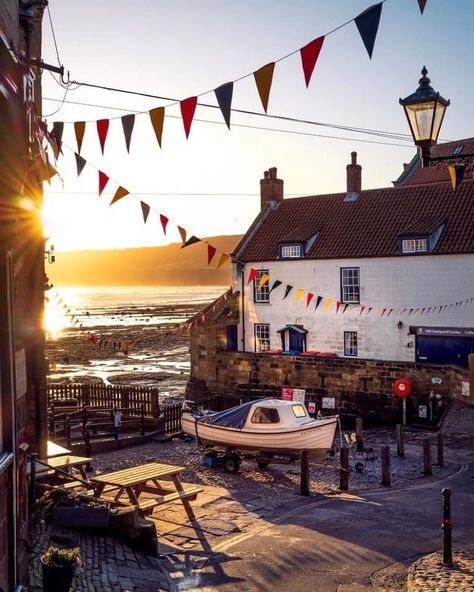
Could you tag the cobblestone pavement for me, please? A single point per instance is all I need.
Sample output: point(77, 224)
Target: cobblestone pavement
point(234, 504)
point(428, 574)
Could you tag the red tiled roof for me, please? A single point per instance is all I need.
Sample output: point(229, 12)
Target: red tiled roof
point(368, 227)
point(435, 174)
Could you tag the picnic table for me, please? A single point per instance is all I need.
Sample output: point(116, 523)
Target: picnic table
point(65, 462)
point(134, 481)
point(54, 449)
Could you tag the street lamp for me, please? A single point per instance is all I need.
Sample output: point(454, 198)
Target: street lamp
point(425, 110)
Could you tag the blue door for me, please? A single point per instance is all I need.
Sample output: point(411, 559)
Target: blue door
point(231, 337)
point(444, 350)
point(296, 341)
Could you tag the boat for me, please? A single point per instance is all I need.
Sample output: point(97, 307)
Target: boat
point(264, 427)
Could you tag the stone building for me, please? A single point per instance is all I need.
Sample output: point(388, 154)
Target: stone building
point(342, 294)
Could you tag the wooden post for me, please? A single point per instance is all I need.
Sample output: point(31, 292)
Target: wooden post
point(32, 485)
point(87, 442)
point(359, 439)
point(447, 527)
point(142, 420)
point(440, 442)
point(51, 420)
point(386, 477)
point(344, 469)
point(68, 432)
point(400, 441)
point(304, 480)
point(427, 457)
point(155, 404)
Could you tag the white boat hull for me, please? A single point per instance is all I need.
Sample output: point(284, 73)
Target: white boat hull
point(316, 436)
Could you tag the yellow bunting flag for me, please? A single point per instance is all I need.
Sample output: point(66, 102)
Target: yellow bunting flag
point(298, 294)
point(157, 117)
point(327, 304)
point(263, 80)
point(263, 280)
point(456, 174)
point(224, 258)
point(121, 192)
point(79, 129)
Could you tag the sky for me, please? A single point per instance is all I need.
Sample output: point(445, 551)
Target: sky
point(209, 184)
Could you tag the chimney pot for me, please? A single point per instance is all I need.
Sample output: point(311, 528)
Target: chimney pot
point(271, 188)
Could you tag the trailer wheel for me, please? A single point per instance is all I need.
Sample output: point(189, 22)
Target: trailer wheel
point(231, 463)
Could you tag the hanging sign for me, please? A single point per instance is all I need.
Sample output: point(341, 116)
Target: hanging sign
point(329, 403)
point(292, 394)
point(311, 407)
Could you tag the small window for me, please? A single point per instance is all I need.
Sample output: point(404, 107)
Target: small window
point(350, 343)
point(299, 410)
point(262, 337)
point(265, 415)
point(414, 245)
point(457, 151)
point(261, 294)
point(350, 285)
point(290, 251)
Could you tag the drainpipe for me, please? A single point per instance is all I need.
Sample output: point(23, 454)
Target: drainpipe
point(243, 309)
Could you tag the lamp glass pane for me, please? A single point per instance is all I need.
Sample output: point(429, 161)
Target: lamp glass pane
point(421, 116)
point(438, 119)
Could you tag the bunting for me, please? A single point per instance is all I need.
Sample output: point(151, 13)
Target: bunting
point(252, 275)
point(456, 174)
point(367, 24)
point(224, 99)
point(182, 233)
point(264, 278)
point(191, 241)
point(79, 129)
point(287, 291)
point(275, 285)
point(58, 129)
point(338, 306)
point(103, 180)
point(309, 57)
point(102, 130)
point(309, 297)
point(157, 117)
point(128, 121)
point(164, 221)
point(145, 211)
point(327, 304)
point(318, 302)
point(188, 107)
point(422, 4)
point(121, 192)
point(224, 258)
point(298, 294)
point(263, 80)
point(211, 251)
point(80, 163)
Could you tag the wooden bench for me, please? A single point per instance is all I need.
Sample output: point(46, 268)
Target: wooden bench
point(189, 493)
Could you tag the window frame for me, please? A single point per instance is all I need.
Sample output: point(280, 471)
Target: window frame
point(349, 348)
point(344, 298)
point(262, 295)
point(271, 409)
point(415, 240)
point(298, 246)
point(258, 340)
point(305, 414)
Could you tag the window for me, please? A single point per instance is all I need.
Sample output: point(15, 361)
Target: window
point(290, 251)
point(299, 410)
point(457, 151)
point(261, 294)
point(350, 285)
point(350, 343)
point(262, 337)
point(265, 415)
point(414, 245)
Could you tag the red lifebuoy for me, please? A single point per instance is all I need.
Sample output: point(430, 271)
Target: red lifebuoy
point(402, 387)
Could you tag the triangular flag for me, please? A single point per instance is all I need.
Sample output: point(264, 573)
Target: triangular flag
point(276, 284)
point(103, 180)
point(128, 121)
point(383, 312)
point(338, 306)
point(182, 232)
point(263, 80)
point(327, 304)
point(224, 258)
point(164, 222)
point(390, 312)
point(456, 173)
point(145, 211)
point(368, 23)
point(369, 310)
point(224, 99)
point(157, 117)
point(121, 192)
point(309, 297)
point(362, 308)
point(298, 294)
point(422, 4)
point(318, 302)
point(264, 278)
point(287, 291)
point(102, 130)
point(58, 128)
point(93, 339)
point(252, 275)
point(346, 306)
point(79, 129)
point(80, 163)
point(309, 57)
point(411, 310)
point(191, 241)
point(211, 251)
point(188, 106)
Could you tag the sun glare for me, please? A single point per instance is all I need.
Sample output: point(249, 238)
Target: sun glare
point(55, 321)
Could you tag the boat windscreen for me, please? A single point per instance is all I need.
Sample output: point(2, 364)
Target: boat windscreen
point(230, 418)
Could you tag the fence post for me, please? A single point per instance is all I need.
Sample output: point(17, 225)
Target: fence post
point(155, 404)
point(400, 441)
point(68, 432)
point(440, 442)
point(51, 421)
point(87, 443)
point(32, 487)
point(142, 420)
point(447, 527)
point(87, 395)
point(427, 457)
point(359, 438)
point(304, 479)
point(344, 469)
point(386, 478)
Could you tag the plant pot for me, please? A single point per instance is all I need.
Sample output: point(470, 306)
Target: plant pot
point(57, 578)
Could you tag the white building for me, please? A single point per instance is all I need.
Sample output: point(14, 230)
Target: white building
point(384, 274)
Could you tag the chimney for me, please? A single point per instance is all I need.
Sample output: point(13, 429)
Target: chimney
point(271, 188)
point(354, 175)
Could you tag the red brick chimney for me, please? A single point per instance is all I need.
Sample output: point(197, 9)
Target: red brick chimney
point(354, 175)
point(271, 188)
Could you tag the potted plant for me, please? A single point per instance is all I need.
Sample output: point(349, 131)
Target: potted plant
point(59, 565)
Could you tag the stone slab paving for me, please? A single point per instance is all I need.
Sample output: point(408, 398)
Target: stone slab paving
point(428, 574)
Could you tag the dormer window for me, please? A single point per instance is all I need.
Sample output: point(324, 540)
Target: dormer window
point(419, 243)
point(294, 251)
point(414, 245)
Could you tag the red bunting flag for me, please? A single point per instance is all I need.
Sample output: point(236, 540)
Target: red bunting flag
point(79, 129)
point(263, 80)
point(164, 221)
point(338, 306)
point(309, 57)
point(102, 130)
point(309, 297)
point(121, 192)
point(252, 275)
point(188, 107)
point(103, 180)
point(211, 251)
point(128, 121)
point(157, 117)
point(383, 312)
point(422, 4)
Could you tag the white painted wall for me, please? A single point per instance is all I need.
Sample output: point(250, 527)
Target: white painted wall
point(393, 282)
